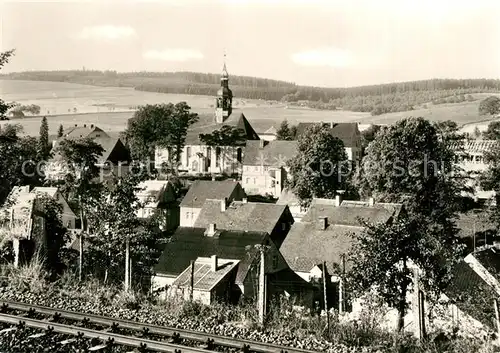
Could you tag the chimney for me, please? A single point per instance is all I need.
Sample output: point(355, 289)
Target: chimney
point(84, 125)
point(261, 143)
point(76, 125)
point(223, 204)
point(213, 177)
point(213, 262)
point(92, 126)
point(371, 201)
point(322, 222)
point(338, 200)
point(212, 228)
point(331, 124)
point(245, 200)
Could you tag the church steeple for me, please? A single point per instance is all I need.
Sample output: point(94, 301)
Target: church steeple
point(224, 101)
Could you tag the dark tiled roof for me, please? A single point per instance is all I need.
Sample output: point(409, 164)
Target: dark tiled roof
point(307, 246)
point(202, 190)
point(349, 212)
point(204, 277)
point(471, 294)
point(290, 281)
point(250, 216)
point(273, 153)
point(81, 131)
point(476, 146)
point(190, 243)
point(490, 259)
point(206, 125)
point(347, 132)
point(470, 222)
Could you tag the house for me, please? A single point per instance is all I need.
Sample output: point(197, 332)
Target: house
point(159, 196)
point(270, 218)
point(476, 229)
point(68, 217)
point(213, 280)
point(265, 166)
point(270, 134)
point(325, 235)
point(199, 158)
point(22, 223)
point(189, 244)
point(486, 263)
point(347, 132)
point(114, 159)
point(200, 191)
point(471, 160)
point(288, 198)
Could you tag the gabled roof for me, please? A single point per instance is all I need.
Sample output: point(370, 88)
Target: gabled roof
point(189, 243)
point(153, 191)
point(109, 144)
point(306, 245)
point(474, 222)
point(50, 191)
point(204, 278)
point(271, 131)
point(76, 132)
point(349, 212)
point(246, 216)
point(347, 132)
point(202, 190)
point(206, 125)
point(273, 153)
point(490, 259)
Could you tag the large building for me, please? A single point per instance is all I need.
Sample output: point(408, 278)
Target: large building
point(198, 157)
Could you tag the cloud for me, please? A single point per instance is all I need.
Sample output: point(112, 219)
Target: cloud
point(173, 54)
point(327, 56)
point(106, 32)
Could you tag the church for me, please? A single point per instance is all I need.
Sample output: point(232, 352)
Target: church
point(202, 157)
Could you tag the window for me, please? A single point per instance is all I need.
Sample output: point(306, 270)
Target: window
point(238, 155)
point(283, 226)
point(247, 181)
point(256, 168)
point(254, 181)
point(217, 156)
point(275, 261)
point(188, 154)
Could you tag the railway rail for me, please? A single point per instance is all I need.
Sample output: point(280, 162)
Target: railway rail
point(175, 335)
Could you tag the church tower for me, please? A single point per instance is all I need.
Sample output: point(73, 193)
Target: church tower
point(224, 100)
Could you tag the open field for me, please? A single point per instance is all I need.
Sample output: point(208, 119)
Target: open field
point(111, 107)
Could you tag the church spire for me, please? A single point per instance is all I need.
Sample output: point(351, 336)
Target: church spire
point(224, 99)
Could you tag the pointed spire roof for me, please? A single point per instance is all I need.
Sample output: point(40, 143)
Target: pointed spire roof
point(225, 74)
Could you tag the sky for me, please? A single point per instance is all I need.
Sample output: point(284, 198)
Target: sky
point(310, 42)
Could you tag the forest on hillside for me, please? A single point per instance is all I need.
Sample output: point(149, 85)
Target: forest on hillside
point(376, 99)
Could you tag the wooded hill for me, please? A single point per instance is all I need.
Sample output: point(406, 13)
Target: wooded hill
point(377, 99)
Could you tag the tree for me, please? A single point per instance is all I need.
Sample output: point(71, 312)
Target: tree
point(226, 138)
point(60, 131)
point(369, 134)
point(4, 107)
point(18, 111)
point(410, 163)
point(320, 167)
point(383, 255)
point(493, 131)
point(285, 132)
point(477, 133)
point(121, 238)
point(490, 180)
point(159, 125)
point(489, 106)
point(43, 140)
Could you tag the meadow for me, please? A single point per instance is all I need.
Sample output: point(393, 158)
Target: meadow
point(111, 107)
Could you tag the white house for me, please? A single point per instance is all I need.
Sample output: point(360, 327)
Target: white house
point(159, 196)
point(264, 166)
point(68, 217)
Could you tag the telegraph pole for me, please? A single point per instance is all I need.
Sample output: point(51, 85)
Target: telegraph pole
point(325, 298)
point(191, 282)
point(262, 287)
point(127, 264)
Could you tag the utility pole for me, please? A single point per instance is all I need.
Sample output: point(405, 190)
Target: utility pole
point(80, 241)
point(341, 286)
point(127, 264)
point(262, 286)
point(497, 315)
point(325, 298)
point(474, 237)
point(15, 239)
point(191, 282)
point(419, 311)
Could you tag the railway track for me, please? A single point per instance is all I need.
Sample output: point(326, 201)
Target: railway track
point(179, 340)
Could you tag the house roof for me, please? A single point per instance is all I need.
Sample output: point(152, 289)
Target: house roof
point(189, 243)
point(108, 144)
point(471, 294)
point(247, 216)
point(153, 191)
point(473, 222)
point(206, 125)
point(271, 131)
point(349, 212)
point(51, 191)
point(202, 190)
point(204, 278)
point(273, 153)
point(490, 259)
point(347, 132)
point(476, 146)
point(289, 281)
point(287, 197)
point(307, 246)
point(76, 132)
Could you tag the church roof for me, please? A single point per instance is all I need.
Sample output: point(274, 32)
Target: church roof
point(207, 125)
